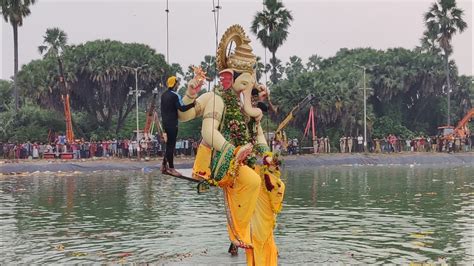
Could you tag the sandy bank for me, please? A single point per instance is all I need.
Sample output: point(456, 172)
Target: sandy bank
point(306, 161)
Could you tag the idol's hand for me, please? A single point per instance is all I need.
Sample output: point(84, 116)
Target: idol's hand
point(243, 152)
point(194, 86)
point(272, 161)
point(267, 160)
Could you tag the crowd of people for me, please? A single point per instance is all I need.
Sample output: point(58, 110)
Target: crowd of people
point(392, 143)
point(388, 144)
point(147, 147)
point(82, 149)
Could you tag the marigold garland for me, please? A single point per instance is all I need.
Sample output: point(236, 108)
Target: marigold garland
point(235, 128)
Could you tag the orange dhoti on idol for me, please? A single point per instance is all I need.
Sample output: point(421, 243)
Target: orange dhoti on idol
point(233, 144)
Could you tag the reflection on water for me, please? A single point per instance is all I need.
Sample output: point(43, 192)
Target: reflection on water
point(344, 214)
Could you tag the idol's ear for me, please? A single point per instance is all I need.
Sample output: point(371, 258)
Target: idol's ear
point(226, 77)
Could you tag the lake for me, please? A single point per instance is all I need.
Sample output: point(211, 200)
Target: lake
point(345, 214)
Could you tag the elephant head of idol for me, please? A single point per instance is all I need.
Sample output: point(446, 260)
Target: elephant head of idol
point(237, 68)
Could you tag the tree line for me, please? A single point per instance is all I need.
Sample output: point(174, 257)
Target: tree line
point(411, 91)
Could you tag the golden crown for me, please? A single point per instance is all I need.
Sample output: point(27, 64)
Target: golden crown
point(242, 58)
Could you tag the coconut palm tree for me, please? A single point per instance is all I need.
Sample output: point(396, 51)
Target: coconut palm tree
point(271, 27)
point(14, 11)
point(444, 19)
point(53, 45)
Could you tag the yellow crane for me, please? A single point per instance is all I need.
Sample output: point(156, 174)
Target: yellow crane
point(460, 131)
point(279, 134)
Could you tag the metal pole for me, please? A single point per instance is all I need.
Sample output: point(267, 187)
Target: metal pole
point(449, 89)
point(136, 103)
point(365, 117)
point(136, 100)
point(167, 34)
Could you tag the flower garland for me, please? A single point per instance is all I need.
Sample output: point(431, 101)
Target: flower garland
point(235, 128)
point(271, 167)
point(239, 130)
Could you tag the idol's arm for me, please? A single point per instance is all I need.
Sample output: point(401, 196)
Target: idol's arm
point(213, 114)
point(200, 102)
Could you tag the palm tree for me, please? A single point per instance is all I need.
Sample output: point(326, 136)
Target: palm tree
point(271, 27)
point(444, 20)
point(261, 69)
point(429, 42)
point(14, 11)
point(54, 43)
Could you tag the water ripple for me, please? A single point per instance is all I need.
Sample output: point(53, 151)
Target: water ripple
point(361, 215)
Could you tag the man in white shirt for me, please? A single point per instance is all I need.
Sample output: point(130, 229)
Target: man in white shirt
point(360, 143)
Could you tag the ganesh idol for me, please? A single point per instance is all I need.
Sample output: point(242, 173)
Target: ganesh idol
point(234, 154)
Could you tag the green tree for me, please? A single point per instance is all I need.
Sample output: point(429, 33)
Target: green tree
point(443, 20)
point(294, 67)
point(38, 81)
point(209, 65)
point(407, 90)
point(386, 125)
point(271, 28)
point(314, 63)
point(98, 84)
point(30, 123)
point(14, 11)
point(176, 69)
point(5, 94)
point(54, 43)
point(261, 69)
point(278, 69)
point(429, 42)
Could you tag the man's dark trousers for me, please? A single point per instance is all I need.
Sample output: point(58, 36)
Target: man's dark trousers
point(172, 133)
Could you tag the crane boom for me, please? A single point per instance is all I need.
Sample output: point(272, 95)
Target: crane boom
point(67, 115)
point(66, 103)
point(293, 112)
point(461, 129)
point(465, 120)
point(149, 116)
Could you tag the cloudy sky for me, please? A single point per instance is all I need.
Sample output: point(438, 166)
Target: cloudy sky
point(320, 27)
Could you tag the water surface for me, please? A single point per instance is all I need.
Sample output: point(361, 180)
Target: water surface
point(346, 214)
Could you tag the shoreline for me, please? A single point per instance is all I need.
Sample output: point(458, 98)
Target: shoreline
point(303, 161)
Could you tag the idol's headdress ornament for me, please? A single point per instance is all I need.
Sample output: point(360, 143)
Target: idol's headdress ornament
point(242, 58)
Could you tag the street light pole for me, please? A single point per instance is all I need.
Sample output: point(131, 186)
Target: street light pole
point(365, 109)
point(365, 116)
point(137, 94)
point(136, 105)
point(365, 105)
point(449, 90)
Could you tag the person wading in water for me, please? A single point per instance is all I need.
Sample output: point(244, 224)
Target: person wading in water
point(170, 104)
